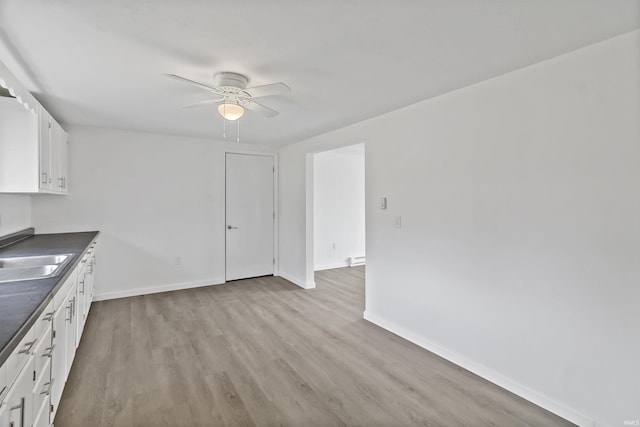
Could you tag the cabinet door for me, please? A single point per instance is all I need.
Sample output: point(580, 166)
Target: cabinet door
point(64, 160)
point(81, 301)
point(4, 414)
point(55, 154)
point(44, 140)
point(90, 281)
point(41, 415)
point(59, 354)
point(18, 360)
point(19, 400)
point(4, 387)
point(72, 328)
point(42, 390)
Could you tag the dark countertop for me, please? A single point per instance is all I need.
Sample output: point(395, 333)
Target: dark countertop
point(22, 302)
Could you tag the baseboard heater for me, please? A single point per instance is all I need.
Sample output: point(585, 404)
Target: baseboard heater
point(357, 260)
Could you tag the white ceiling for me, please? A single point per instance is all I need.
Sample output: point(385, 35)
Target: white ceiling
point(101, 63)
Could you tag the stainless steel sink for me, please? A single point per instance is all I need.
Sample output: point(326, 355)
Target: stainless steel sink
point(28, 273)
point(13, 269)
point(32, 261)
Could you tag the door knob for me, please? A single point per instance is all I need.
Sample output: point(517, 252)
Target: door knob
point(231, 227)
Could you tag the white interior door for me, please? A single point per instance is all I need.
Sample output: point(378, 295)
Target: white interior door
point(250, 216)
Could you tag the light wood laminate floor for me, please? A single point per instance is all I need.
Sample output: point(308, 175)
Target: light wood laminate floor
point(264, 352)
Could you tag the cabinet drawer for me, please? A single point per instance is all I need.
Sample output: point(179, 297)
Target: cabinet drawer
point(42, 415)
point(19, 400)
point(42, 352)
point(42, 388)
point(82, 266)
point(19, 358)
point(60, 297)
point(44, 321)
point(4, 387)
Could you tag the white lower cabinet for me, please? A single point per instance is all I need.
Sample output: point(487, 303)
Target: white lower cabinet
point(81, 301)
point(58, 362)
point(33, 377)
point(4, 414)
point(42, 415)
point(19, 401)
point(72, 339)
point(42, 384)
point(4, 387)
point(63, 339)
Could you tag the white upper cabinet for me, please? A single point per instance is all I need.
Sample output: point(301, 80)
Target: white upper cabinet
point(33, 146)
point(53, 154)
point(44, 145)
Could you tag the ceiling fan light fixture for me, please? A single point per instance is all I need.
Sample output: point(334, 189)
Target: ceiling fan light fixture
point(230, 111)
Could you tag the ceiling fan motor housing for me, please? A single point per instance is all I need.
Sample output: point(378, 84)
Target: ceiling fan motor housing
point(230, 80)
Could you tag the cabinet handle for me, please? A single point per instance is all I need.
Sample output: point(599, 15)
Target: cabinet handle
point(69, 307)
point(48, 391)
point(48, 316)
point(28, 349)
point(50, 351)
point(44, 177)
point(21, 407)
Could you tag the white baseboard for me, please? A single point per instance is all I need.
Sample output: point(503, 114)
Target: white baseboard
point(484, 372)
point(302, 283)
point(331, 266)
point(155, 289)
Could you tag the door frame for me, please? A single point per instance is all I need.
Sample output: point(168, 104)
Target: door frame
point(276, 220)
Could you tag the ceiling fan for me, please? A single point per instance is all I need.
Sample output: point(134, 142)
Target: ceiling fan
point(233, 96)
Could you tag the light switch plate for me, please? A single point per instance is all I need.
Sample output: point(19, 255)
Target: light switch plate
point(383, 203)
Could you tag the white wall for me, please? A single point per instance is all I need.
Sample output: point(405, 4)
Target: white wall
point(15, 213)
point(154, 198)
point(338, 203)
point(519, 252)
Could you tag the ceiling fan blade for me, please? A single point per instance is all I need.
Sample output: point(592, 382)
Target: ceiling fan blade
point(205, 102)
point(199, 84)
point(268, 90)
point(259, 108)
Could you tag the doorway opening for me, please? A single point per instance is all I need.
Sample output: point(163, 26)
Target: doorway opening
point(339, 208)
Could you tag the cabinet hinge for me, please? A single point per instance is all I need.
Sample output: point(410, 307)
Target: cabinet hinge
point(34, 375)
point(54, 333)
point(50, 408)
